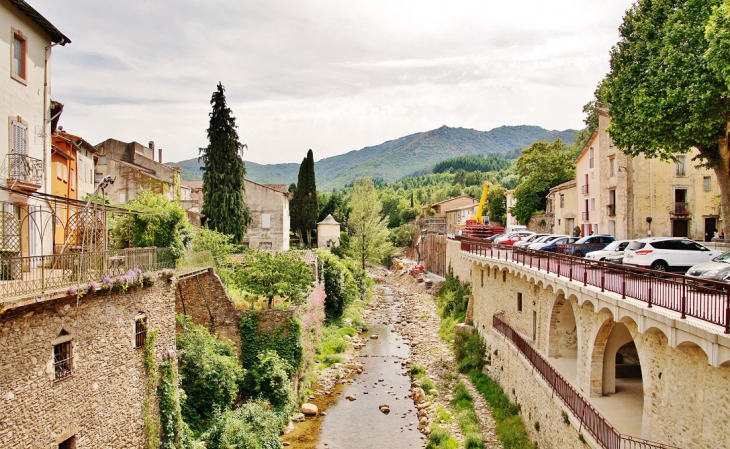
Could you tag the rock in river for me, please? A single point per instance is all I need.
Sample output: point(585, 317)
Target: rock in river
point(309, 409)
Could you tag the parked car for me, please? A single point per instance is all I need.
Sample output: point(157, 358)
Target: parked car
point(553, 246)
point(516, 228)
point(511, 239)
point(546, 241)
point(618, 260)
point(667, 253)
point(613, 250)
point(718, 269)
point(590, 243)
point(530, 240)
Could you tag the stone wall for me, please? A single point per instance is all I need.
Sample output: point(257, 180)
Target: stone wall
point(101, 402)
point(203, 298)
point(460, 267)
point(684, 392)
point(542, 223)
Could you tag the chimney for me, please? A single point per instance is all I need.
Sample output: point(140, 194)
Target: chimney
point(152, 145)
point(160, 151)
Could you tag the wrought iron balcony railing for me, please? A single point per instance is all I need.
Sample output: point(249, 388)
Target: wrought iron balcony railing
point(611, 209)
point(584, 189)
point(681, 208)
point(25, 169)
point(585, 215)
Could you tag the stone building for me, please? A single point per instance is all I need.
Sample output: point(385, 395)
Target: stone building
point(642, 197)
point(510, 201)
point(269, 206)
point(73, 370)
point(134, 168)
point(328, 233)
point(563, 202)
point(456, 218)
point(439, 209)
point(649, 372)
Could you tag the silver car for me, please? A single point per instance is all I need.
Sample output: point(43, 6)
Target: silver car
point(718, 269)
point(613, 250)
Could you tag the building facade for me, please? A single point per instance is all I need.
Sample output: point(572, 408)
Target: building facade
point(588, 182)
point(563, 203)
point(269, 206)
point(134, 168)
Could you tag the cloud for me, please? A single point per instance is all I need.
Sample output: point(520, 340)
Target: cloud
point(331, 76)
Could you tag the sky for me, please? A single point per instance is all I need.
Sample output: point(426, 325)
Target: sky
point(333, 76)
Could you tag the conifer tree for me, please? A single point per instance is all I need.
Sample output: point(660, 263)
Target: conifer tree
point(304, 207)
point(223, 172)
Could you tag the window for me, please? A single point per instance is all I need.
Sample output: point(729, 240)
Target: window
point(140, 330)
point(612, 165)
point(591, 158)
point(102, 160)
point(65, 173)
point(68, 444)
point(73, 180)
point(19, 132)
point(18, 56)
point(562, 201)
point(680, 166)
point(593, 204)
point(122, 197)
point(519, 302)
point(59, 170)
point(265, 221)
point(63, 356)
point(707, 182)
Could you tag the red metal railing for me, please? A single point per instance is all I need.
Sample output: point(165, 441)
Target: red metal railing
point(708, 301)
point(604, 433)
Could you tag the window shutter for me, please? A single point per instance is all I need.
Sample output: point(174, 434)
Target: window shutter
point(19, 134)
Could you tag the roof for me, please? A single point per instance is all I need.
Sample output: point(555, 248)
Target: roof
point(55, 149)
point(57, 37)
point(192, 184)
point(565, 185)
point(308, 257)
point(280, 187)
point(329, 220)
point(267, 186)
point(76, 140)
point(454, 198)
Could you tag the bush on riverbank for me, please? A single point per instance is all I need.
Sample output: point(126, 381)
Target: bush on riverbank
point(467, 417)
point(440, 438)
point(469, 350)
point(254, 425)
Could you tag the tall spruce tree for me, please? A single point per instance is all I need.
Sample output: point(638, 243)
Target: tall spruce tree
point(223, 172)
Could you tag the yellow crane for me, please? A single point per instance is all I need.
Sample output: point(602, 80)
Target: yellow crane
point(479, 218)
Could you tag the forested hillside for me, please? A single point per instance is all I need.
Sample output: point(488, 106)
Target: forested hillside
point(395, 159)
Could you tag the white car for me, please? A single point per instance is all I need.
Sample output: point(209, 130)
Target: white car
point(530, 240)
point(548, 240)
point(539, 240)
point(613, 249)
point(667, 253)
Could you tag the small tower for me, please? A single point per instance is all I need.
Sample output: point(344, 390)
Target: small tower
point(328, 233)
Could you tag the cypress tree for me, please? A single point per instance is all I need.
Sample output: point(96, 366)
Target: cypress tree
point(223, 172)
point(310, 205)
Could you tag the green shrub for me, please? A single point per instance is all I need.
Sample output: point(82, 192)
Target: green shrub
point(174, 432)
point(209, 371)
point(417, 370)
point(252, 426)
point(269, 380)
point(440, 438)
point(278, 274)
point(452, 298)
point(333, 342)
point(339, 284)
point(427, 385)
point(446, 329)
point(469, 351)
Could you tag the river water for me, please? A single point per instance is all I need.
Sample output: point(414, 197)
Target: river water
point(360, 424)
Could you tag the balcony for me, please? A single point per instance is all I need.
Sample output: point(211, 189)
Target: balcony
point(585, 216)
point(591, 163)
point(24, 172)
point(680, 171)
point(584, 189)
point(681, 208)
point(611, 210)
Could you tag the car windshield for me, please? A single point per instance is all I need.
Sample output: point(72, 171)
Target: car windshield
point(552, 238)
point(724, 257)
point(612, 246)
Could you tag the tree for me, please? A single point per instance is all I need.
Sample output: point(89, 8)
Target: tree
point(305, 208)
point(542, 166)
point(497, 204)
point(223, 172)
point(160, 222)
point(269, 275)
point(667, 90)
point(368, 230)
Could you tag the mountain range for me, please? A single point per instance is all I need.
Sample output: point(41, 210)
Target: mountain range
point(395, 159)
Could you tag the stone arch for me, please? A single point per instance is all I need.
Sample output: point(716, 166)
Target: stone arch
point(563, 334)
point(616, 356)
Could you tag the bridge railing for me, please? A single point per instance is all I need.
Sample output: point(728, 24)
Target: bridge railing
point(590, 419)
point(705, 300)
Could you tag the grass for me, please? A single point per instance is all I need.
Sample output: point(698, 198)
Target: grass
point(440, 438)
point(446, 329)
point(427, 385)
point(332, 344)
point(467, 417)
point(442, 415)
point(417, 371)
point(510, 426)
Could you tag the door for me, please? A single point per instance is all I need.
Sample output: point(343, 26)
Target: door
point(680, 228)
point(710, 228)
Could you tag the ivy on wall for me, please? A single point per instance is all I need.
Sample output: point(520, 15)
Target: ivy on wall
point(285, 340)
